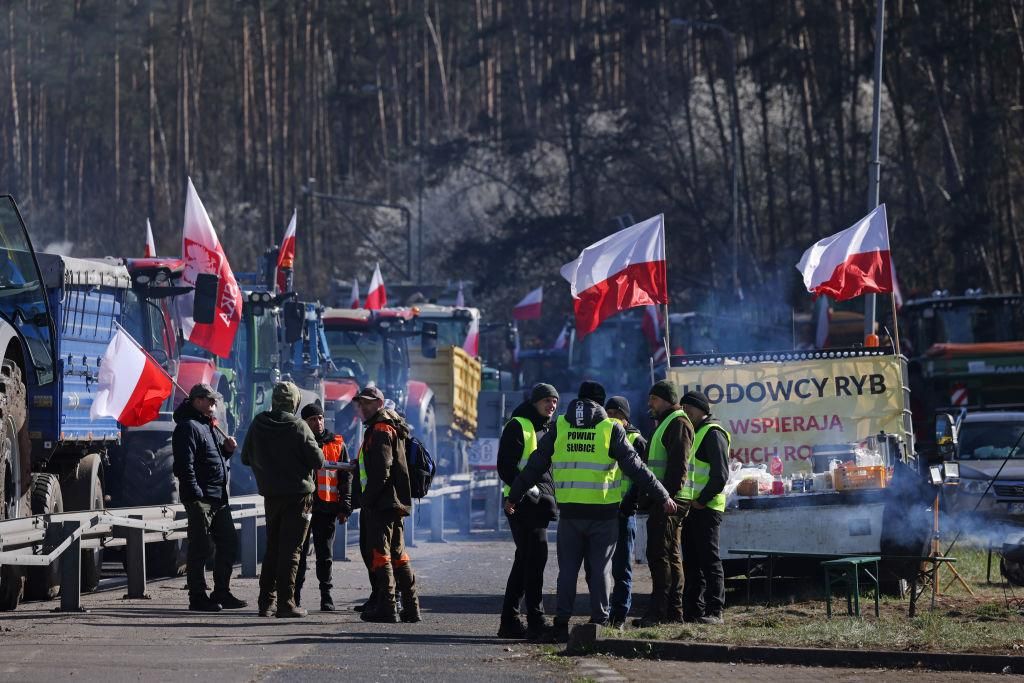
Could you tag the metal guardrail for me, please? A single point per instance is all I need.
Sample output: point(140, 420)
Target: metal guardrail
point(40, 540)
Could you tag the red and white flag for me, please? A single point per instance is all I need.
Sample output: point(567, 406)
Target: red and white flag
point(460, 298)
point(472, 343)
point(286, 254)
point(377, 296)
point(852, 262)
point(132, 386)
point(354, 298)
point(529, 307)
point(150, 242)
point(563, 338)
point(203, 253)
point(624, 270)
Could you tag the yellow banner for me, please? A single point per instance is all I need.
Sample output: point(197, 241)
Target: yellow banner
point(788, 408)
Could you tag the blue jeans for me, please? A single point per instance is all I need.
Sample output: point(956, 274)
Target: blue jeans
point(622, 568)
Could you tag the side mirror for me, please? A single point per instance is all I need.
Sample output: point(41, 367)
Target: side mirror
point(294, 316)
point(428, 340)
point(205, 306)
point(945, 436)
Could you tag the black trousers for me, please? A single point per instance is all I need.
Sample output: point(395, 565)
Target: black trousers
point(210, 527)
point(526, 578)
point(704, 580)
point(321, 532)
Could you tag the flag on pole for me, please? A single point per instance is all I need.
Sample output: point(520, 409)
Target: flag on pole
point(377, 296)
point(150, 242)
point(624, 270)
point(472, 343)
point(132, 386)
point(529, 306)
point(852, 262)
point(203, 253)
point(286, 254)
point(460, 298)
point(354, 298)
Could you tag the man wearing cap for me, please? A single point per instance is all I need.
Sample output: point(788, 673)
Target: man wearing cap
point(201, 454)
point(385, 499)
point(529, 526)
point(667, 455)
point(332, 502)
point(587, 454)
point(617, 408)
point(284, 456)
point(706, 475)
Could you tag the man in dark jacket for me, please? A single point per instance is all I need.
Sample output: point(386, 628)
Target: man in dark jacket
point(385, 499)
point(284, 455)
point(617, 408)
point(704, 590)
point(332, 503)
point(529, 526)
point(201, 456)
point(587, 454)
point(667, 456)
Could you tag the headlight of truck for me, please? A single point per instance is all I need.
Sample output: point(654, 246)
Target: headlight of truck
point(974, 486)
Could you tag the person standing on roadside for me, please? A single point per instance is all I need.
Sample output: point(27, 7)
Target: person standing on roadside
point(201, 467)
point(587, 454)
point(529, 526)
point(332, 503)
point(617, 408)
point(706, 476)
point(284, 455)
point(667, 455)
point(385, 499)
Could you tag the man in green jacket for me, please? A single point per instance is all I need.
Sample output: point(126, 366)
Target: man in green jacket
point(284, 456)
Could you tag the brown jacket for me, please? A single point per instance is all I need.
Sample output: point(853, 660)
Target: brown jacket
point(387, 471)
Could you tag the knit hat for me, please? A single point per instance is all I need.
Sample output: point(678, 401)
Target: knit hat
point(592, 391)
point(286, 397)
point(665, 390)
point(619, 403)
point(311, 410)
point(697, 400)
point(542, 391)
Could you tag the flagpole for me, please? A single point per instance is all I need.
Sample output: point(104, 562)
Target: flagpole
point(664, 336)
point(895, 321)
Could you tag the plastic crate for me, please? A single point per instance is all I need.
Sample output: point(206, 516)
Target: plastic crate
point(854, 477)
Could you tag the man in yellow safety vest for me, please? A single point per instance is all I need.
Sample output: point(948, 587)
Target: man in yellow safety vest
point(529, 526)
point(706, 475)
point(332, 502)
point(587, 453)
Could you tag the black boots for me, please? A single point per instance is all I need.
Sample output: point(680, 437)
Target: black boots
point(512, 628)
point(202, 603)
point(227, 601)
point(326, 603)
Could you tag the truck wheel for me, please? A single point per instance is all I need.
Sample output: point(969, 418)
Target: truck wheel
point(83, 490)
point(166, 558)
point(1012, 570)
point(43, 583)
point(12, 578)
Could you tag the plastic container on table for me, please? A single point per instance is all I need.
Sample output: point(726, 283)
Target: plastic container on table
point(851, 477)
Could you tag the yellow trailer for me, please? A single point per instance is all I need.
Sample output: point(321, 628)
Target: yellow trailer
point(454, 376)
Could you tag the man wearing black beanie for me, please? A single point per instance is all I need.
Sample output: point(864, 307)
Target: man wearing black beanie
point(529, 526)
point(667, 455)
point(587, 453)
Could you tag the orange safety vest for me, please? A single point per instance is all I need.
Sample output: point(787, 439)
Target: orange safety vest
point(327, 480)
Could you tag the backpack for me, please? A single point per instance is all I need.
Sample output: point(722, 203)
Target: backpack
point(421, 467)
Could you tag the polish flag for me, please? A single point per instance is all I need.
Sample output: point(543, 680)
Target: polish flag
point(472, 343)
point(563, 338)
point(624, 270)
point(377, 296)
point(286, 254)
point(150, 242)
point(460, 298)
point(203, 253)
point(132, 386)
point(354, 298)
point(852, 262)
point(529, 307)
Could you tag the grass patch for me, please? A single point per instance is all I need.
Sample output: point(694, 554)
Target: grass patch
point(988, 622)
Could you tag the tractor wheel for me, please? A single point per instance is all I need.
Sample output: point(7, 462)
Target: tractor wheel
point(44, 582)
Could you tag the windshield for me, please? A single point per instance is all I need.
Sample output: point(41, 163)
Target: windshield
point(450, 331)
point(359, 355)
point(968, 323)
point(22, 297)
point(146, 321)
point(991, 440)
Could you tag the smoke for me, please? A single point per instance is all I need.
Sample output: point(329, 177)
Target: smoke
point(60, 247)
point(978, 530)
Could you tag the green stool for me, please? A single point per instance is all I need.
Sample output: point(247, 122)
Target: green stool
point(846, 571)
